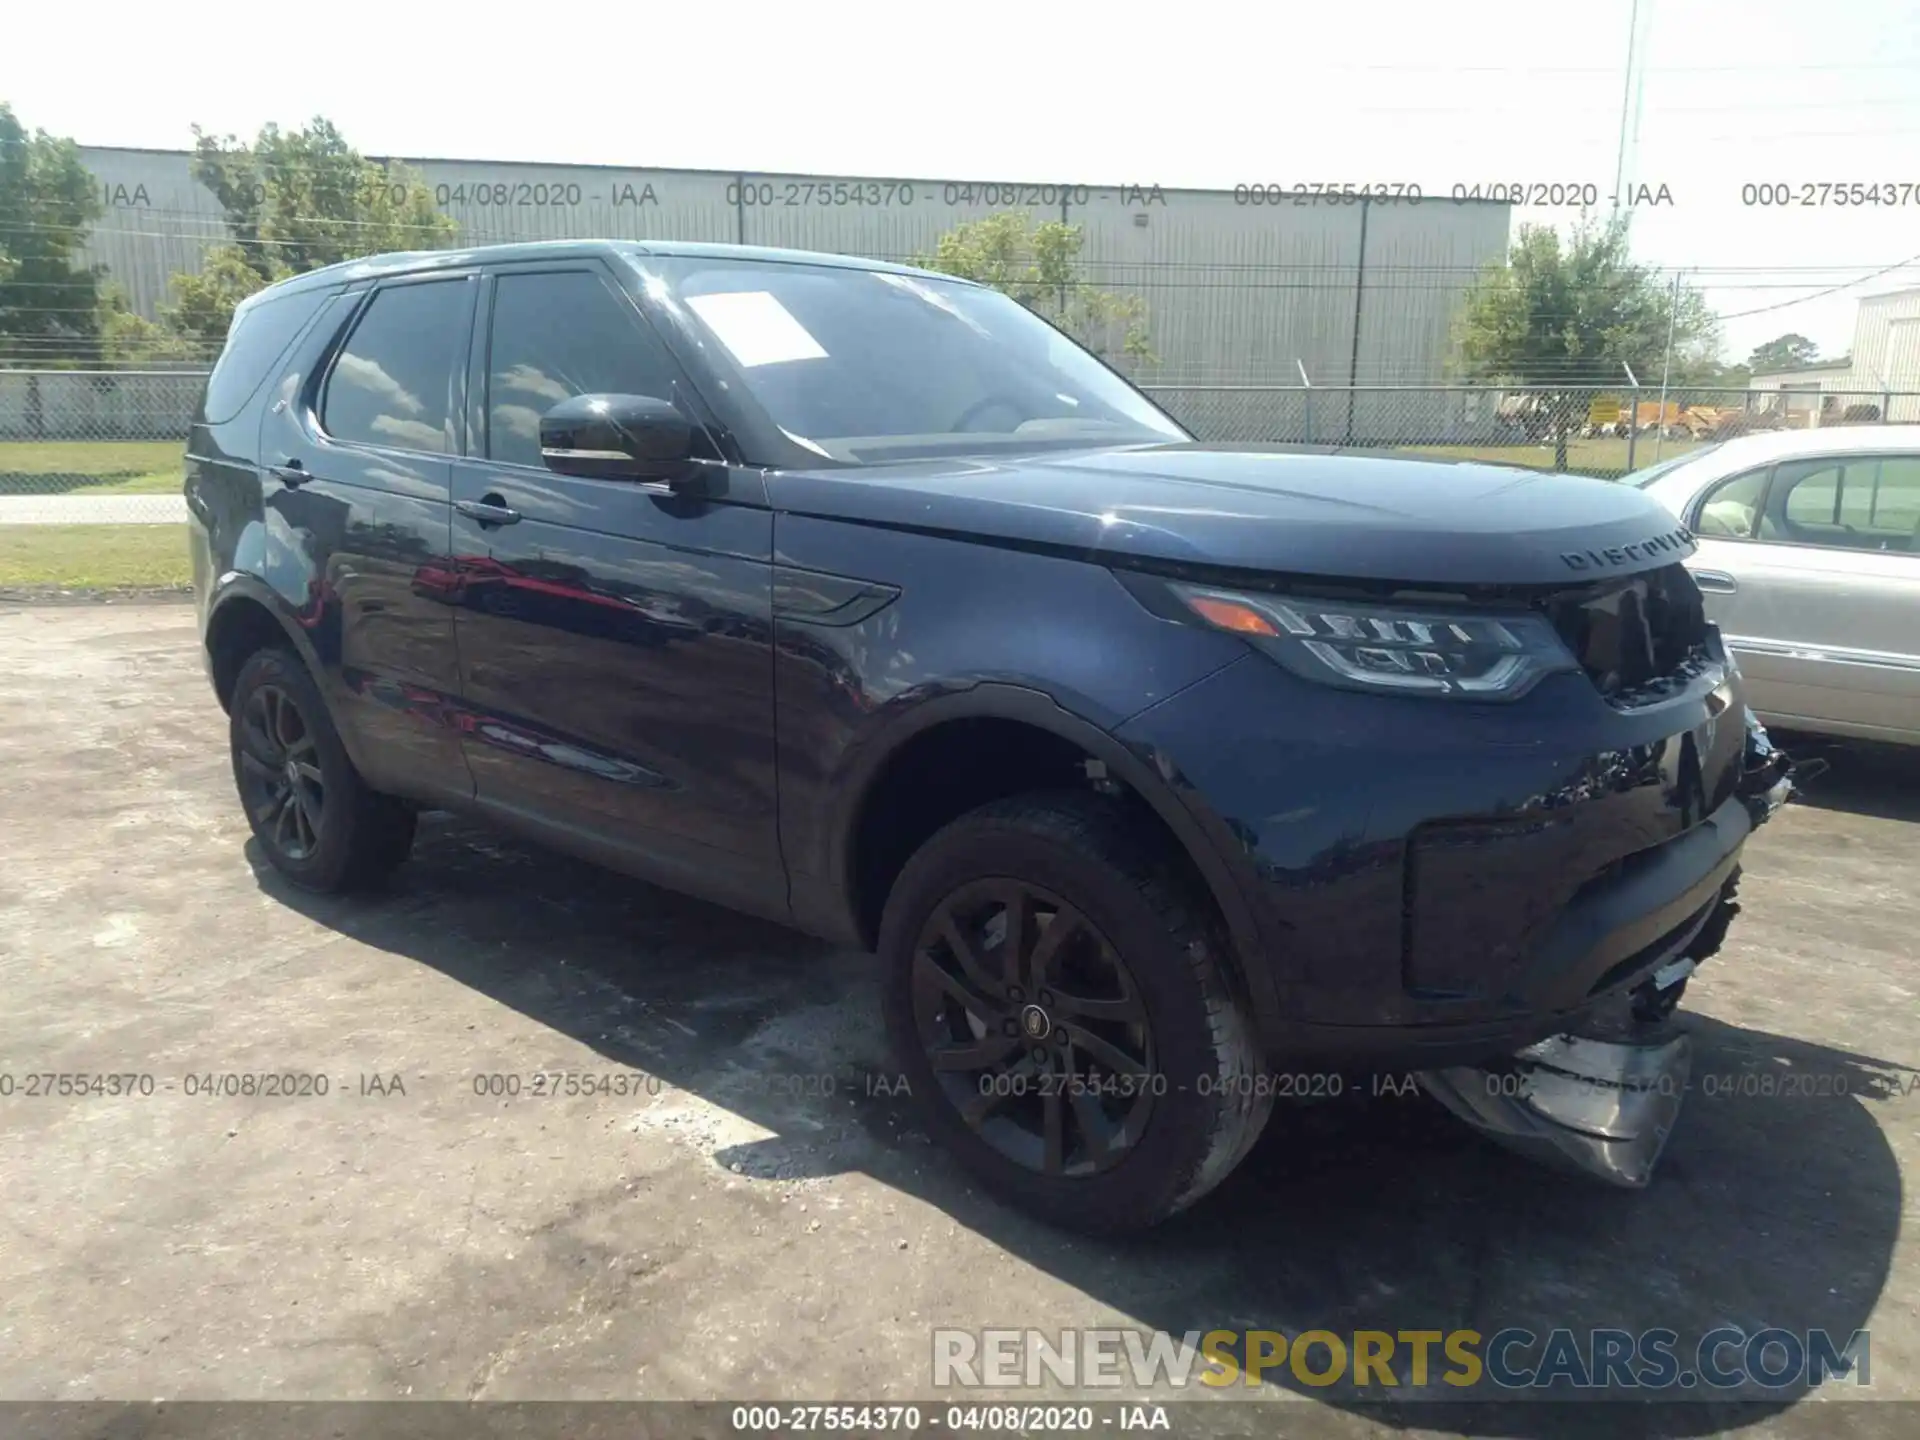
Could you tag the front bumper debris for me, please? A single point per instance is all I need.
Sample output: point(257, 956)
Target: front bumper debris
point(1766, 774)
point(1600, 1107)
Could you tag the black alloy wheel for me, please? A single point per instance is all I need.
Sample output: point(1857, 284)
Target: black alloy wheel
point(1035, 1027)
point(1059, 999)
point(280, 778)
point(318, 821)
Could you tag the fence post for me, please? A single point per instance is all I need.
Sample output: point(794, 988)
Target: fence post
point(1306, 398)
point(1633, 413)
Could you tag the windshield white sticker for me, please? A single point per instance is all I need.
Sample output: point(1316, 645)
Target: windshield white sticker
point(756, 328)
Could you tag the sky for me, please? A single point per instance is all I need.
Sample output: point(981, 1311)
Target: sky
point(1199, 94)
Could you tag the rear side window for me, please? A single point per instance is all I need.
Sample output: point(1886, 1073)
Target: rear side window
point(1860, 502)
point(260, 336)
point(392, 384)
point(1896, 502)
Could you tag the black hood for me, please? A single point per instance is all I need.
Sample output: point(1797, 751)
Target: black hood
point(1361, 517)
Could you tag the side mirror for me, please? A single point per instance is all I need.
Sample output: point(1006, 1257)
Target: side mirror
point(617, 437)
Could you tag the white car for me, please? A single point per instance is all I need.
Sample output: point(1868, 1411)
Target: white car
point(1809, 562)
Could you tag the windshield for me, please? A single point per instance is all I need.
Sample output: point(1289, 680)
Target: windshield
point(1646, 475)
point(864, 367)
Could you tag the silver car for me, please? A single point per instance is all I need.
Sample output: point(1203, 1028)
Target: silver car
point(1809, 560)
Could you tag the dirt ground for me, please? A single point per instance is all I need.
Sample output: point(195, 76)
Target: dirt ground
point(754, 1219)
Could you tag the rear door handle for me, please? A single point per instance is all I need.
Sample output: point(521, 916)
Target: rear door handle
point(489, 510)
point(1717, 582)
point(290, 472)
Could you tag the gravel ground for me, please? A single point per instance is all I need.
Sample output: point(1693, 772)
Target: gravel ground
point(756, 1217)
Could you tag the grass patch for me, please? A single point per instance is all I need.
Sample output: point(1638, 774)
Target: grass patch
point(94, 557)
point(1606, 455)
point(91, 467)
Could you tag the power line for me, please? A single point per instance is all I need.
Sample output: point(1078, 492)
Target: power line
point(1822, 294)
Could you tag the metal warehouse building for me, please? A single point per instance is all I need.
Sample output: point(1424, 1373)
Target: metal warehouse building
point(1252, 286)
point(1882, 366)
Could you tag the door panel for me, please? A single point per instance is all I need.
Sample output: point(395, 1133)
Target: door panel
point(1828, 635)
point(357, 468)
point(1823, 608)
point(614, 640)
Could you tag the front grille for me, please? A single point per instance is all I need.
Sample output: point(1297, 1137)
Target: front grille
point(1635, 637)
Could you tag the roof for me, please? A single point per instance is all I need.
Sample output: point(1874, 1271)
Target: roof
point(1675, 488)
point(406, 262)
point(1825, 440)
point(1745, 450)
point(1819, 367)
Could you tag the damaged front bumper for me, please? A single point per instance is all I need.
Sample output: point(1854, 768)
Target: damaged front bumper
point(1603, 1101)
point(1599, 1107)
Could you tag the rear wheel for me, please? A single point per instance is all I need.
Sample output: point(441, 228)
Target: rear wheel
point(309, 809)
point(1058, 997)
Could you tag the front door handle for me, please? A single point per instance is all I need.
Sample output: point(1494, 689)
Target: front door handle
point(290, 472)
point(1716, 582)
point(488, 510)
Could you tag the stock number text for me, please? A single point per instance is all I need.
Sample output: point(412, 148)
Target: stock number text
point(1816, 193)
point(1326, 192)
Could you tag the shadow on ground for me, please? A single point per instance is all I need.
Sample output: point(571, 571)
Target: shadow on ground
point(1861, 777)
point(1363, 1213)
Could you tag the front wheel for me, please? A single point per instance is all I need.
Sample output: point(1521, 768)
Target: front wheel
point(1057, 994)
point(310, 811)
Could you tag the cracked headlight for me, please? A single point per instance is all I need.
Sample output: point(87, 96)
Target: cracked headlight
point(1468, 654)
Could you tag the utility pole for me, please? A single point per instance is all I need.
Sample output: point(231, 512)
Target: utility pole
point(1629, 101)
point(1666, 368)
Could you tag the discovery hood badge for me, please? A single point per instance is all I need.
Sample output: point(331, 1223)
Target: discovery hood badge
point(1678, 543)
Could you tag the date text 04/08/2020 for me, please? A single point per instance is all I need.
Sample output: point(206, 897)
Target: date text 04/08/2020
point(1529, 193)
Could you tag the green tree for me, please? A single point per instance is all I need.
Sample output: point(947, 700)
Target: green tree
point(1785, 352)
point(294, 200)
point(49, 301)
point(128, 339)
point(1561, 313)
point(1040, 266)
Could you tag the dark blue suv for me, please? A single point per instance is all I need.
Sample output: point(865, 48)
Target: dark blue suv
point(1165, 779)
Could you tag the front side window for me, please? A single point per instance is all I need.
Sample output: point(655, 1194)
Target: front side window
point(393, 382)
point(864, 367)
point(556, 335)
point(1729, 508)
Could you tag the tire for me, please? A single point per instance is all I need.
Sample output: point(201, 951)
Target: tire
point(1184, 1097)
point(327, 831)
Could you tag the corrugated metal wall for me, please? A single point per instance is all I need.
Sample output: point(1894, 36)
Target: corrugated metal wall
point(1234, 291)
point(1886, 348)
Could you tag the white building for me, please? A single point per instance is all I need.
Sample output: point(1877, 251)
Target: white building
point(1883, 369)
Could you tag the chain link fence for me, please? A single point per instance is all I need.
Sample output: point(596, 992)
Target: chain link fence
point(88, 447)
point(1586, 430)
point(94, 446)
